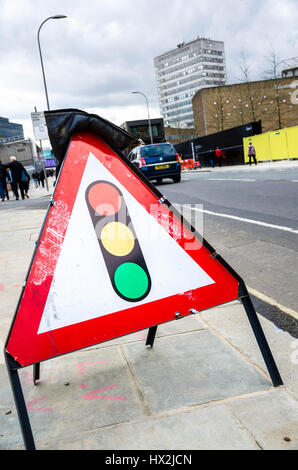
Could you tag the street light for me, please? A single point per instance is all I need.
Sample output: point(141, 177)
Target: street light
point(55, 17)
point(150, 130)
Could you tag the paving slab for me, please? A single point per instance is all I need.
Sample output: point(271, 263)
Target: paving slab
point(272, 419)
point(231, 323)
point(79, 392)
point(189, 369)
point(203, 429)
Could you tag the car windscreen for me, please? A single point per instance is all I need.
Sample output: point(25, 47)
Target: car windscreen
point(157, 150)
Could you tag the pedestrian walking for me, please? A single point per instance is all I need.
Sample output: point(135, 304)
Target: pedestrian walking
point(211, 157)
point(219, 156)
point(251, 153)
point(16, 170)
point(26, 183)
point(35, 179)
point(3, 182)
point(41, 177)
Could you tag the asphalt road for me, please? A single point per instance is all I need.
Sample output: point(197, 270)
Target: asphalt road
point(251, 218)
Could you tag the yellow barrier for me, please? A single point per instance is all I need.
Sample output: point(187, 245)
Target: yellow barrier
point(275, 145)
point(292, 138)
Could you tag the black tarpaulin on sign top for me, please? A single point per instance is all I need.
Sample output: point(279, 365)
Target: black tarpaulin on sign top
point(62, 124)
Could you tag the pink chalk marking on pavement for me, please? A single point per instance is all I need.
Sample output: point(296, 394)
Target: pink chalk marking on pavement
point(28, 375)
point(37, 400)
point(81, 365)
point(1, 287)
point(83, 386)
point(108, 398)
point(29, 378)
point(93, 395)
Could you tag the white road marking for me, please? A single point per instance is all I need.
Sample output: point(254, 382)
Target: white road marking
point(232, 179)
point(249, 221)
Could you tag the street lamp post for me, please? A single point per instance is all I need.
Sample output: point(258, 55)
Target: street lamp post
point(55, 17)
point(150, 129)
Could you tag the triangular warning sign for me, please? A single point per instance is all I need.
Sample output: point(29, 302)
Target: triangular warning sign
point(113, 258)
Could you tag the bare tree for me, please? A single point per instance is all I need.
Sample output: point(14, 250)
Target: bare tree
point(219, 109)
point(247, 79)
point(274, 72)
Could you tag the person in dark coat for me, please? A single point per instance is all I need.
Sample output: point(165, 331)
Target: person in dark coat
point(26, 182)
point(211, 157)
point(3, 182)
point(17, 171)
point(35, 178)
point(41, 177)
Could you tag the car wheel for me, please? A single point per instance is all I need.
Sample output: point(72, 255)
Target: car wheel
point(177, 178)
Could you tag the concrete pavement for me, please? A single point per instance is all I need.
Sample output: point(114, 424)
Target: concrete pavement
point(203, 385)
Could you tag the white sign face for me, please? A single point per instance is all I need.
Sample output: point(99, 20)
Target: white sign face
point(40, 129)
point(86, 291)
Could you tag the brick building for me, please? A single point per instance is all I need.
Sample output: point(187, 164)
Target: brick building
point(273, 101)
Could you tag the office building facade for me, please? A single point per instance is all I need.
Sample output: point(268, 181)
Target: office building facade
point(140, 128)
point(180, 73)
point(10, 130)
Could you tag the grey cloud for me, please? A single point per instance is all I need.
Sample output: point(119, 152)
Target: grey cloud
point(105, 49)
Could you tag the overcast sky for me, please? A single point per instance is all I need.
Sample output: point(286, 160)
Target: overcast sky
point(104, 50)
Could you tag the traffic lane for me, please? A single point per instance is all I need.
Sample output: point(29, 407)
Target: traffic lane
point(281, 233)
point(272, 202)
point(268, 267)
point(265, 258)
point(246, 172)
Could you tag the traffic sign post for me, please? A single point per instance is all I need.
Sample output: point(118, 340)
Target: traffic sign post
point(131, 261)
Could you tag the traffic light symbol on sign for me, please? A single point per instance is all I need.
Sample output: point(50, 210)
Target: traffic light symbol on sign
point(118, 242)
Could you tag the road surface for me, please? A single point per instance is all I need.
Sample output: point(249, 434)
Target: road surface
point(250, 216)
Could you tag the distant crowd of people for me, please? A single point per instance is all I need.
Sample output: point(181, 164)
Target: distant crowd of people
point(16, 175)
point(218, 156)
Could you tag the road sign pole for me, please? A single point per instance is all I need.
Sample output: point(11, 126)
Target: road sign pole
point(20, 403)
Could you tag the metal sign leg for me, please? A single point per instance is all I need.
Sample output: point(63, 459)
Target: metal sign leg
point(261, 339)
point(151, 336)
point(36, 372)
point(20, 405)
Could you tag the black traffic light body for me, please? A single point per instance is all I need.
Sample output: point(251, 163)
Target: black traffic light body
point(118, 241)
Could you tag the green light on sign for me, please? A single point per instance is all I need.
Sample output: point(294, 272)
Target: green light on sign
point(131, 280)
